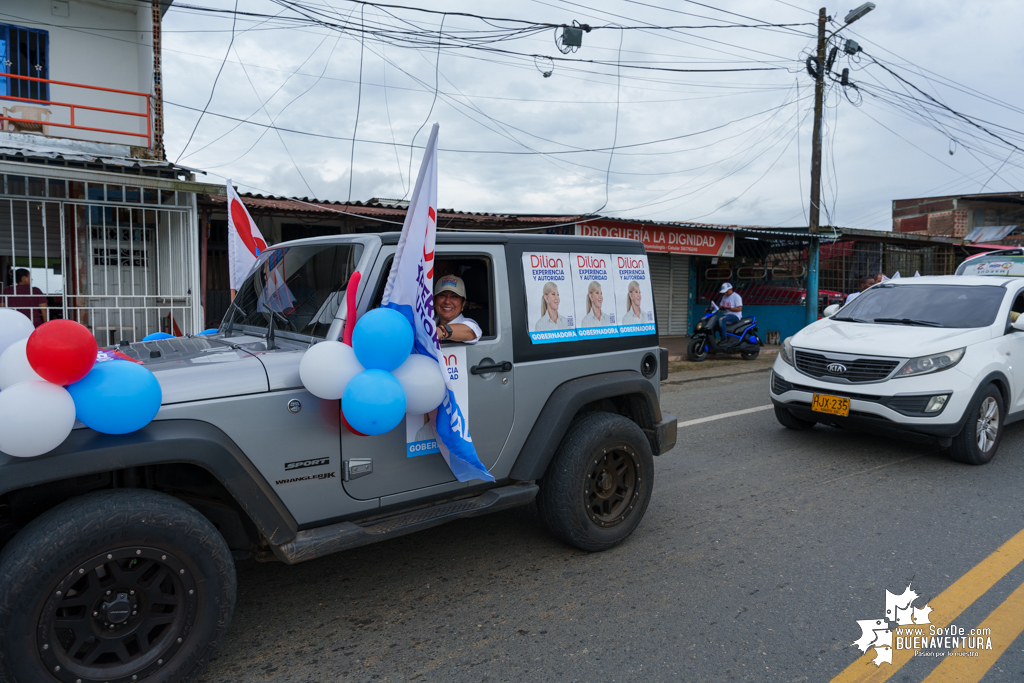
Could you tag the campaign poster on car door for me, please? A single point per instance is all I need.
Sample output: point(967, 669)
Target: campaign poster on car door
point(420, 434)
point(549, 299)
point(594, 295)
point(634, 298)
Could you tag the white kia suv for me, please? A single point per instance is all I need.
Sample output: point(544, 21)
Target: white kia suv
point(934, 356)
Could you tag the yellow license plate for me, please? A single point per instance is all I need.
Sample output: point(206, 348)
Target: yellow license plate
point(833, 405)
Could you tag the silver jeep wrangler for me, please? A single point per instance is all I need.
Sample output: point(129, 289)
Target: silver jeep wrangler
point(118, 552)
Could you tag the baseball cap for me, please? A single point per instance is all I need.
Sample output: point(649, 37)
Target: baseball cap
point(726, 286)
point(450, 283)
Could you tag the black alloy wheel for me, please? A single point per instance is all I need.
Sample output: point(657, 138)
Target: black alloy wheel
point(598, 486)
point(612, 487)
point(115, 586)
point(117, 615)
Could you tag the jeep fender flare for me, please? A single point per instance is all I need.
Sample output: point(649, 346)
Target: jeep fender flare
point(161, 442)
point(565, 402)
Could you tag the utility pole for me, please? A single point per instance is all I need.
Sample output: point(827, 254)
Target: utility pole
point(811, 300)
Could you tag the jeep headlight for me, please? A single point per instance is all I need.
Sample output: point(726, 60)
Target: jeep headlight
point(787, 350)
point(925, 364)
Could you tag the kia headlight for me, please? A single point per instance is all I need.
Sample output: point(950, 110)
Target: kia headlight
point(926, 364)
point(787, 350)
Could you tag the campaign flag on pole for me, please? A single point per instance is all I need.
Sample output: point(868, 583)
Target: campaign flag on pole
point(245, 242)
point(410, 291)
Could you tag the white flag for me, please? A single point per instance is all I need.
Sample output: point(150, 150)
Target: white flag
point(245, 242)
point(410, 291)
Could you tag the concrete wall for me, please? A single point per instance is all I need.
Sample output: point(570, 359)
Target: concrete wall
point(99, 43)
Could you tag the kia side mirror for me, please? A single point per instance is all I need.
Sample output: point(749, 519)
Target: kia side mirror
point(1019, 325)
point(831, 310)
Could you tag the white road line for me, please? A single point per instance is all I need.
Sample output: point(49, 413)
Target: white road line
point(722, 416)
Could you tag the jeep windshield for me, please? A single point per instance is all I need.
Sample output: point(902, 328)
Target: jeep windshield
point(931, 305)
point(300, 287)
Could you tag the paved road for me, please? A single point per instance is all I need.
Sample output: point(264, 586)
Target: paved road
point(761, 550)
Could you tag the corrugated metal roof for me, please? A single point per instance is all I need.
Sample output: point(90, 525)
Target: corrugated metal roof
point(13, 146)
point(376, 209)
point(989, 233)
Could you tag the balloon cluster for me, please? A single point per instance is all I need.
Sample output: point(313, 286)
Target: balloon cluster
point(49, 376)
point(378, 378)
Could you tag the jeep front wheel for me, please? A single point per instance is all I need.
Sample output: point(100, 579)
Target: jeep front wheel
point(597, 487)
point(122, 585)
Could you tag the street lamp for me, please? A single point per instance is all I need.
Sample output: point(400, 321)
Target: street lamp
point(859, 12)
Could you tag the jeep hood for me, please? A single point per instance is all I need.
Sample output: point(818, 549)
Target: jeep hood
point(870, 339)
point(198, 368)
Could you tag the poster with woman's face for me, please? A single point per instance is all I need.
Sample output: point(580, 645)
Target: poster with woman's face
point(594, 295)
point(633, 295)
point(549, 299)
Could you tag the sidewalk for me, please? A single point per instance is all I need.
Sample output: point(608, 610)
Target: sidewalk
point(681, 369)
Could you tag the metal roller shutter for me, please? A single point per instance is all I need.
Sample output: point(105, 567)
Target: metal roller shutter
point(670, 280)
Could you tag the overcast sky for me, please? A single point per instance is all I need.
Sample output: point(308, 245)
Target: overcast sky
point(740, 142)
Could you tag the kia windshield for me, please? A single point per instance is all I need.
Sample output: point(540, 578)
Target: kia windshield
point(959, 306)
point(301, 288)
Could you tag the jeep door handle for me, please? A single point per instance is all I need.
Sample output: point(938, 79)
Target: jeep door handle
point(503, 366)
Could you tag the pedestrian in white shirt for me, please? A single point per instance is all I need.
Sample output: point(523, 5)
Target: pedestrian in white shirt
point(731, 306)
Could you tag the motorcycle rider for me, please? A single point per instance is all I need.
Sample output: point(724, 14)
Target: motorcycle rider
point(731, 308)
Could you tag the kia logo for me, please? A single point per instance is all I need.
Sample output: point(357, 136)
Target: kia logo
point(836, 368)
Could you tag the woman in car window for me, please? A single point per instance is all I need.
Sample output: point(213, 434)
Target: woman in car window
point(549, 316)
point(634, 315)
point(595, 300)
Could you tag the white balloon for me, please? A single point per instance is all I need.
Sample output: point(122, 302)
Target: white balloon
point(327, 367)
point(13, 326)
point(14, 366)
point(35, 418)
point(423, 382)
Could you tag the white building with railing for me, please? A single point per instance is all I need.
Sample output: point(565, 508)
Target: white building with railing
point(105, 227)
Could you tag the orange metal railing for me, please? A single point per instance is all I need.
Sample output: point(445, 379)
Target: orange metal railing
point(148, 135)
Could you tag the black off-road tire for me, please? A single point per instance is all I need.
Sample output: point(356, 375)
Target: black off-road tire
point(697, 350)
point(791, 421)
point(965, 447)
point(597, 487)
point(750, 355)
point(155, 554)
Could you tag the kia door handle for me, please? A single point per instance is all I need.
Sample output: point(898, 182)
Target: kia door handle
point(503, 366)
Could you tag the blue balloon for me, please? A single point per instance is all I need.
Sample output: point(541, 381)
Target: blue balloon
point(116, 397)
point(382, 339)
point(373, 402)
point(157, 335)
point(210, 330)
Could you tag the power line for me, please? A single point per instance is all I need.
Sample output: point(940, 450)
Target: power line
point(213, 89)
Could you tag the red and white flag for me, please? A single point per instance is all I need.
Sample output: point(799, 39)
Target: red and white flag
point(245, 242)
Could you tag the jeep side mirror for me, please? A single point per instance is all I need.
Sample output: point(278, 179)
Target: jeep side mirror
point(831, 310)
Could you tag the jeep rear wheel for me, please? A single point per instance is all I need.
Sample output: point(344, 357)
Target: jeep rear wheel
point(121, 585)
point(597, 487)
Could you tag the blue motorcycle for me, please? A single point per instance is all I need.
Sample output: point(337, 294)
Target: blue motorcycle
point(741, 337)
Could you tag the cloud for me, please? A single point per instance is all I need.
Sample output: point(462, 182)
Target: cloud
point(754, 171)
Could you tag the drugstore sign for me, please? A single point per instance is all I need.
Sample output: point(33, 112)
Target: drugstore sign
point(665, 239)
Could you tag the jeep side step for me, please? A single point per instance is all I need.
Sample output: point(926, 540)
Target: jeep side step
point(314, 543)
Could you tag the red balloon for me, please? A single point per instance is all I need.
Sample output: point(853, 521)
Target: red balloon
point(61, 351)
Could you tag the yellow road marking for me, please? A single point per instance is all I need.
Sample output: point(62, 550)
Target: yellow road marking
point(946, 606)
point(1006, 622)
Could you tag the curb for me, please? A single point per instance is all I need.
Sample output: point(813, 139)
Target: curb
point(718, 376)
point(764, 352)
